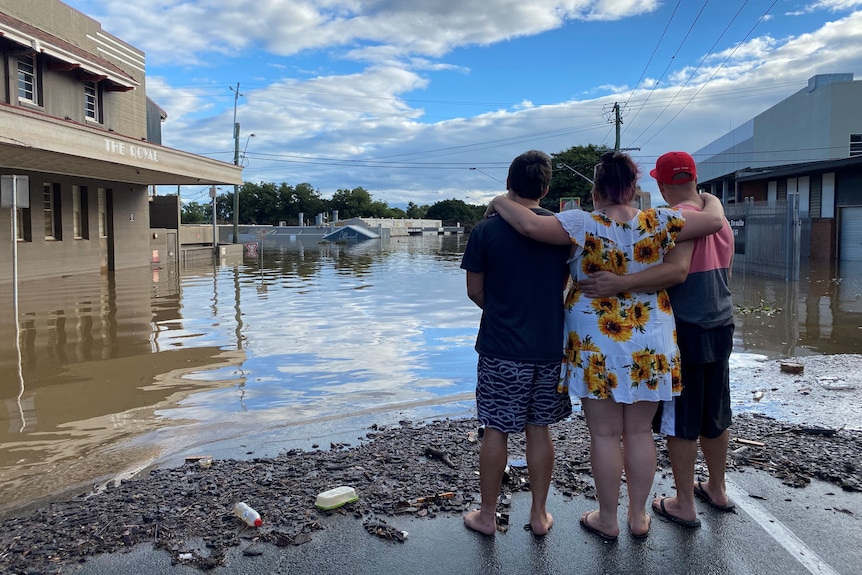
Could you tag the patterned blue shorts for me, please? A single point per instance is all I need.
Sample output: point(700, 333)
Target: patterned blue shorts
point(512, 394)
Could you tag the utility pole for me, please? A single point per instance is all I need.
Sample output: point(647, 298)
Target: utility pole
point(236, 96)
point(618, 121)
point(215, 224)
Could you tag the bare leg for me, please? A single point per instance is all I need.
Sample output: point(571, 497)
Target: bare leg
point(540, 464)
point(715, 453)
point(683, 454)
point(492, 463)
point(605, 421)
point(640, 460)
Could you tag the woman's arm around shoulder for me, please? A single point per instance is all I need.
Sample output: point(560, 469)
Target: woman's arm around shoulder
point(545, 229)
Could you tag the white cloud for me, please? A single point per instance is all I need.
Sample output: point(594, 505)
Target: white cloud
point(383, 28)
point(357, 128)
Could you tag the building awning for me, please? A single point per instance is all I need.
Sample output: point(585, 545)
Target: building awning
point(801, 169)
point(68, 56)
point(31, 141)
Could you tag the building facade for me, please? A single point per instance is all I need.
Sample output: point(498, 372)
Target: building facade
point(804, 155)
point(77, 127)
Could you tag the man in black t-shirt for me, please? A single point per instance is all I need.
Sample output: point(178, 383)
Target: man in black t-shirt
point(518, 283)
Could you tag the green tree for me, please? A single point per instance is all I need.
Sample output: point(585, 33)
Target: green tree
point(195, 213)
point(567, 184)
point(306, 200)
point(417, 212)
point(453, 212)
point(258, 203)
point(353, 203)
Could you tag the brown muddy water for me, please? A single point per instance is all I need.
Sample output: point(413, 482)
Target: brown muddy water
point(109, 374)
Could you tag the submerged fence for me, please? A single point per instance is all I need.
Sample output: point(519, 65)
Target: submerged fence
point(767, 237)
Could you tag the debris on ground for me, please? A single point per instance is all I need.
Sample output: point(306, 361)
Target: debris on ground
point(395, 471)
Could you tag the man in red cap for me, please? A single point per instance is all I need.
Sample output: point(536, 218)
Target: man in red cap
point(703, 307)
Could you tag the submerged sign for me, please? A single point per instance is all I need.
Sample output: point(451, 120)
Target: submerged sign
point(737, 224)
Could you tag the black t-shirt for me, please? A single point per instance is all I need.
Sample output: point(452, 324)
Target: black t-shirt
point(523, 281)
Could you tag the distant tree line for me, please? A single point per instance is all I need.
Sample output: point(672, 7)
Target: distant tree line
point(267, 203)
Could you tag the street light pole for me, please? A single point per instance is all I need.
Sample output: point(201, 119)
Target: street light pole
point(242, 156)
point(568, 167)
point(236, 96)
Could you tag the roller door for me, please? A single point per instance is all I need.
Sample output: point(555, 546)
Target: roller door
point(850, 246)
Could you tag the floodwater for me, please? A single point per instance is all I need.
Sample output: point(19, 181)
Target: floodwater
point(110, 374)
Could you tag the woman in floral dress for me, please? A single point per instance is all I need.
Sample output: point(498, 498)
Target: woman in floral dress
point(620, 353)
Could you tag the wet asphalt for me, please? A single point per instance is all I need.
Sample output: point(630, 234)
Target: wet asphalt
point(776, 530)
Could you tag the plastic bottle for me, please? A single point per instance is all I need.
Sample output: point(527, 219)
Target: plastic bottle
point(247, 514)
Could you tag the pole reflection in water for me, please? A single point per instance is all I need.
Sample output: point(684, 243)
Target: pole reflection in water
point(18, 361)
point(321, 339)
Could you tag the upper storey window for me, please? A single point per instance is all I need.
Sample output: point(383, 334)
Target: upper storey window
point(28, 78)
point(92, 109)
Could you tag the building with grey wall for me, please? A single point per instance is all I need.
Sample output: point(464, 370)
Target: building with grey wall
point(822, 121)
point(805, 150)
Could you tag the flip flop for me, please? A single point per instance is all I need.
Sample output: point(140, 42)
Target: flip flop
point(605, 537)
point(528, 527)
point(700, 492)
point(660, 510)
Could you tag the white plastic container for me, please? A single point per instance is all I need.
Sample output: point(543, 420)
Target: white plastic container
point(244, 511)
point(336, 497)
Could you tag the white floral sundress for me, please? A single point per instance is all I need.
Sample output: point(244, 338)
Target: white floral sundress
point(621, 347)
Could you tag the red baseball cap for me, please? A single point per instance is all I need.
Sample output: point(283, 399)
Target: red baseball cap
point(672, 163)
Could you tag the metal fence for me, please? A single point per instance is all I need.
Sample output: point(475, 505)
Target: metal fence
point(767, 237)
point(196, 256)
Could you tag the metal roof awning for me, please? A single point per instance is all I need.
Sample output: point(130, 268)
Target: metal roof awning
point(790, 170)
point(68, 56)
point(31, 141)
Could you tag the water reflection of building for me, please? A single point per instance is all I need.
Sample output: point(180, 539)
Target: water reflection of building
point(100, 355)
point(821, 313)
point(76, 121)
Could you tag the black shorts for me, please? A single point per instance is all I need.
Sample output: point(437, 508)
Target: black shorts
point(703, 408)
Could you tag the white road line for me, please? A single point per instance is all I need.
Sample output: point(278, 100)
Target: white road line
point(781, 534)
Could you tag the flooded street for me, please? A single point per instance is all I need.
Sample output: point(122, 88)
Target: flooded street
point(113, 373)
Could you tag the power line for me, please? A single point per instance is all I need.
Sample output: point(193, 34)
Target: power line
point(702, 86)
point(708, 52)
point(646, 67)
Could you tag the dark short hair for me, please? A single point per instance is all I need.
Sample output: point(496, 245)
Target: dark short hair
point(530, 174)
point(616, 177)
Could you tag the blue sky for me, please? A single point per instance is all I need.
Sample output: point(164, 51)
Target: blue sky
point(402, 97)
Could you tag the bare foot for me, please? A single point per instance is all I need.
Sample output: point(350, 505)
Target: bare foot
point(639, 527)
point(476, 521)
point(540, 524)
